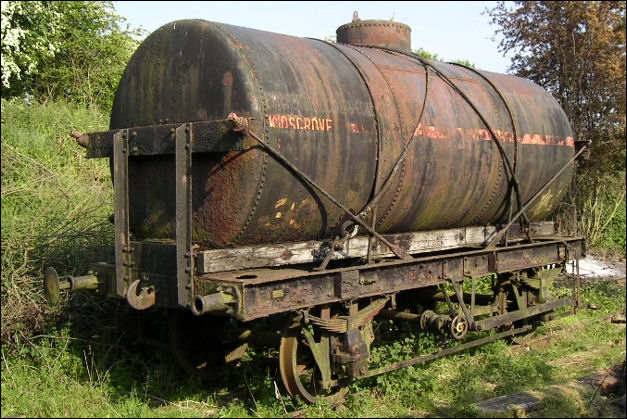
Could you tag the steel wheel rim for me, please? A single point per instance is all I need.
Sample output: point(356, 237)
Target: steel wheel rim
point(293, 369)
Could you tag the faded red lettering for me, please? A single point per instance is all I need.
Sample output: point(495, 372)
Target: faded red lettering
point(272, 120)
point(300, 122)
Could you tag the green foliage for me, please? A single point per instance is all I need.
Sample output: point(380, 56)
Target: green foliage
point(28, 29)
point(426, 54)
point(603, 213)
point(575, 50)
point(74, 51)
point(434, 57)
point(55, 206)
point(465, 63)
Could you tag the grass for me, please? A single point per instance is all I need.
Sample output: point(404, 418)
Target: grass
point(54, 206)
point(102, 371)
point(83, 359)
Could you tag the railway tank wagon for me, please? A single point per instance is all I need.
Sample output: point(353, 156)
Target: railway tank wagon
point(259, 175)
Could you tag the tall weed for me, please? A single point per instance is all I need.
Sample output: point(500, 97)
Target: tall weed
point(603, 213)
point(596, 210)
point(55, 206)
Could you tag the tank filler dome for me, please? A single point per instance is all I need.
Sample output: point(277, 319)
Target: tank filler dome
point(375, 33)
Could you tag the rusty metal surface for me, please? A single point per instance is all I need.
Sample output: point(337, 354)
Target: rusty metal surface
point(183, 136)
point(123, 247)
point(155, 264)
point(267, 291)
point(343, 115)
point(209, 136)
point(143, 299)
point(52, 286)
point(375, 33)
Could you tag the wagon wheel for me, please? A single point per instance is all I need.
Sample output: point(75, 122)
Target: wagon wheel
point(303, 375)
point(198, 344)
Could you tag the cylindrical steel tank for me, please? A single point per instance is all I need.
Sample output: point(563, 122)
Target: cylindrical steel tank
point(343, 114)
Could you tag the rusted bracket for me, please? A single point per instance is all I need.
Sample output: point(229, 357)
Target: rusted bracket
point(460, 300)
point(325, 253)
point(123, 249)
point(451, 309)
point(211, 137)
point(183, 139)
point(142, 300)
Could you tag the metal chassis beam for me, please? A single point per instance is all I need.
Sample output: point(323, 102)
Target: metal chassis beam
point(123, 247)
point(212, 137)
point(183, 171)
point(265, 292)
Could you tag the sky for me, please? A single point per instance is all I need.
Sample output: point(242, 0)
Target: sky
point(454, 30)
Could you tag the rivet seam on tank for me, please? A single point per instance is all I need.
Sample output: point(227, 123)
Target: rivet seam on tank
point(514, 135)
point(262, 180)
point(497, 185)
point(386, 24)
point(374, 108)
point(399, 187)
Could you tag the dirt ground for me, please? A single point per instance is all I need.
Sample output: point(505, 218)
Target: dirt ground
point(600, 266)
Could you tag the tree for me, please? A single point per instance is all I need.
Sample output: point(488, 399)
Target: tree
point(434, 57)
point(75, 51)
point(426, 54)
point(576, 51)
point(28, 28)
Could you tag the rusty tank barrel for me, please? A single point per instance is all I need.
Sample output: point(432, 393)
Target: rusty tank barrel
point(417, 144)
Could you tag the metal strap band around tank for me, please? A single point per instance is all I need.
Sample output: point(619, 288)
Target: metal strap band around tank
point(443, 76)
point(499, 235)
point(378, 139)
point(405, 151)
point(249, 59)
point(121, 220)
point(506, 162)
point(371, 205)
point(514, 132)
point(183, 139)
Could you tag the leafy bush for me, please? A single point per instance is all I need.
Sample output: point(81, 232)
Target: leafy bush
point(74, 51)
